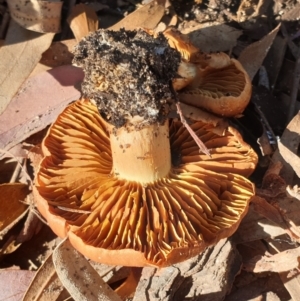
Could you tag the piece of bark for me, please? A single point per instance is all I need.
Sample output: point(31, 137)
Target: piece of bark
point(290, 281)
point(269, 211)
point(272, 212)
point(255, 226)
point(281, 262)
point(209, 275)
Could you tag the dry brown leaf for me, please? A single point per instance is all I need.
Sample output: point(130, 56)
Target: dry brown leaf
point(83, 20)
point(35, 155)
point(13, 284)
point(275, 214)
point(36, 15)
point(46, 279)
point(212, 38)
point(255, 226)
point(45, 285)
point(58, 54)
point(248, 9)
point(289, 144)
point(291, 14)
point(10, 206)
point(40, 100)
point(290, 279)
point(197, 114)
point(76, 274)
point(147, 16)
point(262, 207)
point(281, 212)
point(252, 56)
point(198, 278)
point(19, 55)
point(281, 262)
point(293, 191)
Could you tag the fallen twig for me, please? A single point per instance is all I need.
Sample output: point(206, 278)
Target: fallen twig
point(200, 144)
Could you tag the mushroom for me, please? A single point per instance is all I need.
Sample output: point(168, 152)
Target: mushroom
point(128, 186)
point(220, 84)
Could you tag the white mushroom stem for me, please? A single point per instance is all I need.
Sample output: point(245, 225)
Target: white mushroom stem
point(141, 155)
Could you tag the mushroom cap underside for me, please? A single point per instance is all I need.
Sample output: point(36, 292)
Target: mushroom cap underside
point(221, 85)
point(224, 91)
point(120, 222)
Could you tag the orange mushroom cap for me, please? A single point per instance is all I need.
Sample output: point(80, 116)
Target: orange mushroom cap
point(116, 221)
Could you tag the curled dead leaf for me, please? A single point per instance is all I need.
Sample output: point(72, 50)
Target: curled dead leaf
point(252, 56)
point(77, 275)
point(212, 38)
point(36, 15)
point(147, 16)
point(281, 262)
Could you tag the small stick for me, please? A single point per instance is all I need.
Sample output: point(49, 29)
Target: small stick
point(2, 151)
point(200, 144)
point(74, 210)
point(266, 123)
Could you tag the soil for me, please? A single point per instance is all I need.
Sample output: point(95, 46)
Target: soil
point(139, 66)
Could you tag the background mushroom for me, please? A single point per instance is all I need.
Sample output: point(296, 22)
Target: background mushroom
point(130, 187)
point(220, 85)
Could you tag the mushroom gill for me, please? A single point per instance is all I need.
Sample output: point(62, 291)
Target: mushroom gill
point(143, 221)
point(224, 91)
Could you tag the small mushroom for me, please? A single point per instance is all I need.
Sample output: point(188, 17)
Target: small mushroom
point(128, 186)
point(221, 85)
